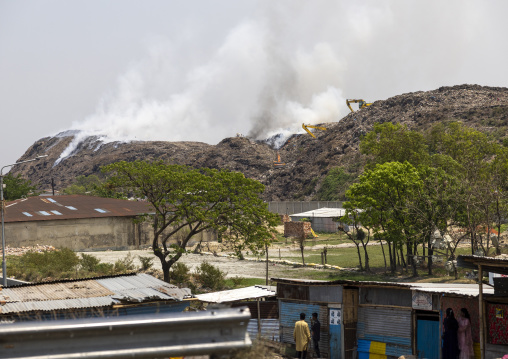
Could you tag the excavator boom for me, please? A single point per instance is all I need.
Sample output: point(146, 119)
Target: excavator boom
point(306, 128)
point(361, 104)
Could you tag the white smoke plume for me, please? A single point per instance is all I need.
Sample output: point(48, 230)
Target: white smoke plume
point(292, 62)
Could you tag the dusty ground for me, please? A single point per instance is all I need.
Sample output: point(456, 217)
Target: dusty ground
point(233, 267)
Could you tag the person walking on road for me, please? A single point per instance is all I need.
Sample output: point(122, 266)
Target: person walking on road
point(301, 335)
point(316, 333)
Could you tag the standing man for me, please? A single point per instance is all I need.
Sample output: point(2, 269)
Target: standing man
point(301, 335)
point(316, 333)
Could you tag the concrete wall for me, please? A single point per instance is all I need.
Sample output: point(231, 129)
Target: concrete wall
point(86, 234)
point(292, 207)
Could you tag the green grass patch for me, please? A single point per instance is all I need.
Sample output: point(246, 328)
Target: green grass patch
point(242, 282)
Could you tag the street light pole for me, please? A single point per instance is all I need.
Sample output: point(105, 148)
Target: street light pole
point(2, 204)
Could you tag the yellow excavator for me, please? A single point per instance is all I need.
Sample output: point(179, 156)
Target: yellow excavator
point(361, 104)
point(306, 128)
point(278, 163)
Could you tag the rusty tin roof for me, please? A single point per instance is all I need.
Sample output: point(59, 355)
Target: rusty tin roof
point(47, 208)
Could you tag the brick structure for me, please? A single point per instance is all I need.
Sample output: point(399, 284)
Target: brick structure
point(285, 218)
point(300, 230)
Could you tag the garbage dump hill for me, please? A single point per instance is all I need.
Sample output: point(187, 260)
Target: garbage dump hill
point(297, 170)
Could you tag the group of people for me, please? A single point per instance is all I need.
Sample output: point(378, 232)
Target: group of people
point(457, 339)
point(303, 335)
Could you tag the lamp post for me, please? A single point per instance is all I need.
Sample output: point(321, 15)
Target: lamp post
point(2, 204)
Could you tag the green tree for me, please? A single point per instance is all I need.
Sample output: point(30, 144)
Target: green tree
point(17, 187)
point(389, 142)
point(384, 193)
point(334, 185)
point(193, 201)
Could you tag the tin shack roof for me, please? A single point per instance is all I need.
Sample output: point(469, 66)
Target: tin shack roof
point(497, 264)
point(441, 288)
point(71, 207)
point(322, 212)
point(88, 293)
point(234, 295)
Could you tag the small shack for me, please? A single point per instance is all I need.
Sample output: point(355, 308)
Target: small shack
point(84, 298)
point(262, 303)
point(492, 307)
point(375, 319)
point(322, 219)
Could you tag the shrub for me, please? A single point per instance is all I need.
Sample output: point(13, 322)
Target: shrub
point(146, 262)
point(89, 263)
point(124, 265)
point(36, 266)
point(237, 281)
point(179, 274)
point(210, 277)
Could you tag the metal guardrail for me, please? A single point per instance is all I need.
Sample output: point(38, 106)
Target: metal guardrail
point(155, 336)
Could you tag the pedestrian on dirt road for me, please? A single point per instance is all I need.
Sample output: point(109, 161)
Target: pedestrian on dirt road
point(301, 335)
point(316, 333)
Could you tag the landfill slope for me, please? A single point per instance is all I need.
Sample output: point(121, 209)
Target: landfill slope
point(307, 159)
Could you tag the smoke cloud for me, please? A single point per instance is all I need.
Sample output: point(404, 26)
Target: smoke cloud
point(291, 63)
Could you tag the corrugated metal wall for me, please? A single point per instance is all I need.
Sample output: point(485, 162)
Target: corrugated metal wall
point(290, 314)
point(384, 329)
point(325, 293)
point(386, 296)
point(292, 291)
point(269, 329)
point(269, 309)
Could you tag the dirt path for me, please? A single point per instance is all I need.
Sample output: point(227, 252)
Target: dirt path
point(233, 267)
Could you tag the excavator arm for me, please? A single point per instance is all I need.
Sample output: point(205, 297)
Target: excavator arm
point(361, 104)
point(306, 128)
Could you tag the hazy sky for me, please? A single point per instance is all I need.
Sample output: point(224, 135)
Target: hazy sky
point(205, 70)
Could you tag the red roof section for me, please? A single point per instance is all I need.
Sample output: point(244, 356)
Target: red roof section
point(50, 208)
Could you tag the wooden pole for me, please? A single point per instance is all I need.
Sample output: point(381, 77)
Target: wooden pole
point(266, 249)
point(482, 318)
point(259, 321)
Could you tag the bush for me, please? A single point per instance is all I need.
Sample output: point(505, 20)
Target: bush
point(179, 274)
point(124, 265)
point(237, 281)
point(210, 277)
point(89, 263)
point(36, 266)
point(146, 262)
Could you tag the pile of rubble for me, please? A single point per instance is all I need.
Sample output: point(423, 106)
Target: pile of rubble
point(19, 251)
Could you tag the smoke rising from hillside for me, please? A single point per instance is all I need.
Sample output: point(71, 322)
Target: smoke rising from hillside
point(290, 63)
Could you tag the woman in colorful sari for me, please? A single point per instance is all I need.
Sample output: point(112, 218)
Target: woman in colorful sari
point(464, 335)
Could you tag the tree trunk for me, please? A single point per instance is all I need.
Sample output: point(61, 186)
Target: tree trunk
point(359, 255)
point(383, 250)
point(301, 250)
point(393, 257)
point(367, 266)
point(431, 253)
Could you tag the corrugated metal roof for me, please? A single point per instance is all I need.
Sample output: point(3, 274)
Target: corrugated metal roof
point(450, 288)
point(322, 212)
point(71, 207)
point(88, 293)
point(238, 294)
point(490, 264)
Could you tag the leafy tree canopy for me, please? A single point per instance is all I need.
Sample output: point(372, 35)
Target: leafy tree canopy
point(17, 187)
point(188, 201)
